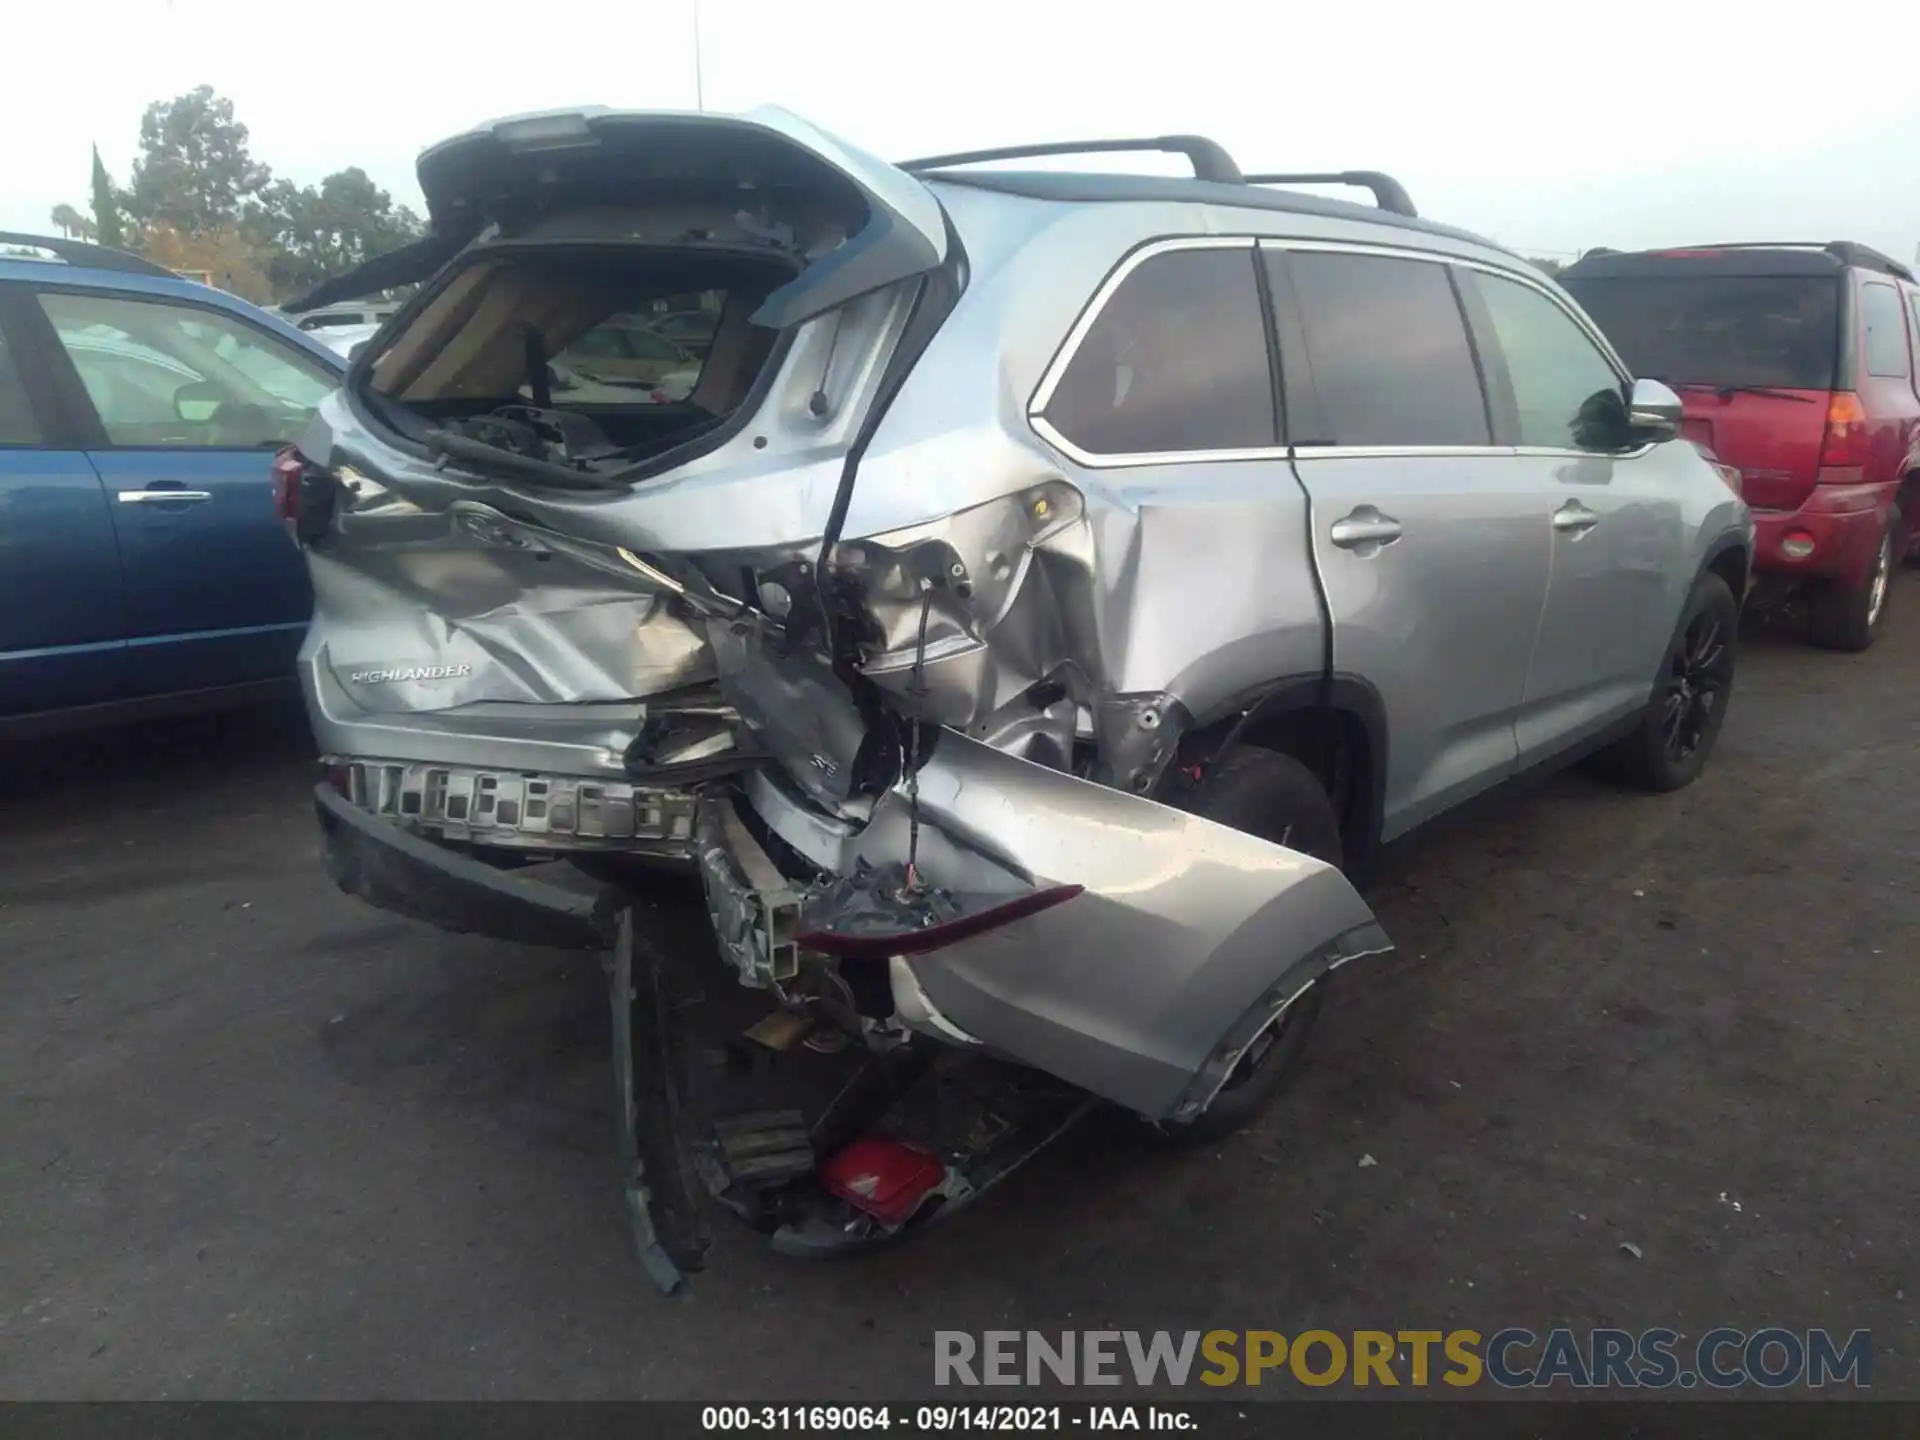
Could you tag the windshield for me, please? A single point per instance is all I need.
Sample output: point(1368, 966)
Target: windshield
point(1721, 330)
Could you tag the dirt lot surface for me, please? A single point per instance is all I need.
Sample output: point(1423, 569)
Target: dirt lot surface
point(258, 1140)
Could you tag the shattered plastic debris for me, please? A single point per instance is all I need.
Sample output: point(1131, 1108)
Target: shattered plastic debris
point(1725, 1201)
point(1631, 1249)
point(1367, 1162)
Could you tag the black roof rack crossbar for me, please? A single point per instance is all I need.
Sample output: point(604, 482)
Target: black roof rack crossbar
point(79, 252)
point(1847, 252)
point(1388, 193)
point(1209, 158)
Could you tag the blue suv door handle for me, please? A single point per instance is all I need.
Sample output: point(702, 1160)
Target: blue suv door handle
point(164, 492)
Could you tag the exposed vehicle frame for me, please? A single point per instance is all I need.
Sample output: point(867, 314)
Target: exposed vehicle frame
point(893, 661)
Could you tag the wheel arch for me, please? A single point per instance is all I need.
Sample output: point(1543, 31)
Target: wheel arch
point(1334, 725)
point(1731, 558)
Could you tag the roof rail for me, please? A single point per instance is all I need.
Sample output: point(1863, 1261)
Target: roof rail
point(79, 252)
point(1209, 158)
point(1847, 252)
point(1867, 258)
point(1388, 193)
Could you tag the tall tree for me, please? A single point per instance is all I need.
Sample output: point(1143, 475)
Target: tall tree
point(320, 231)
point(71, 223)
point(107, 228)
point(195, 172)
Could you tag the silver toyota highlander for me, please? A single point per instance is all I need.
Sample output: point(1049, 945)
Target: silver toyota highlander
point(1053, 587)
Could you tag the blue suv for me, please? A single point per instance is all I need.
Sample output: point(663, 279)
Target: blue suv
point(143, 567)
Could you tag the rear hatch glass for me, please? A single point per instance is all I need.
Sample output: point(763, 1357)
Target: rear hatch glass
point(1781, 332)
point(590, 361)
point(1753, 357)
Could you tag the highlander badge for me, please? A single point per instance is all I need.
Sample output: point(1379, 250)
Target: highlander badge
point(410, 672)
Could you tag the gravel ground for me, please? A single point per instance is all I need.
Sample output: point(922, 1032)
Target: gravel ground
point(261, 1141)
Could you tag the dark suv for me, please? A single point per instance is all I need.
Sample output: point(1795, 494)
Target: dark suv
point(1796, 365)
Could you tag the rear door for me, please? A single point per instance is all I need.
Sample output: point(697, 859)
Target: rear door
point(1429, 538)
point(1618, 574)
point(60, 605)
point(188, 403)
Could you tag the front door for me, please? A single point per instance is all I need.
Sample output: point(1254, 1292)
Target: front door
point(1431, 548)
point(1619, 538)
point(60, 610)
point(191, 402)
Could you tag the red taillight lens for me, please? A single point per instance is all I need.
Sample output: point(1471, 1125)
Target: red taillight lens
point(289, 469)
point(878, 944)
point(1846, 438)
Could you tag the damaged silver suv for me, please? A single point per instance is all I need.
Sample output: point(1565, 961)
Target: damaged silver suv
point(1049, 588)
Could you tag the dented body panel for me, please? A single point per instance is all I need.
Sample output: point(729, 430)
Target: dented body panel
point(908, 677)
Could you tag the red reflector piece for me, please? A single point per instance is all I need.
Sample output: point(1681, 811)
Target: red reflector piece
point(288, 468)
point(882, 1177)
point(872, 945)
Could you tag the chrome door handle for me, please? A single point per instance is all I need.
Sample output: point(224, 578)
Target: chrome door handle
point(159, 497)
point(1365, 530)
point(1575, 517)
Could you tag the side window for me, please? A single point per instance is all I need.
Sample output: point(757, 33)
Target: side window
point(1886, 330)
point(169, 375)
point(1175, 361)
point(17, 425)
point(1567, 393)
point(1388, 350)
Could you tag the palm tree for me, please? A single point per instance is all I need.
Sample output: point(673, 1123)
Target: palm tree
point(71, 223)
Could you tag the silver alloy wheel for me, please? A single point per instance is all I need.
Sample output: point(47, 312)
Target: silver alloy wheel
point(1882, 577)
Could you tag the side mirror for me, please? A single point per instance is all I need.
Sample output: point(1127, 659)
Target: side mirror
point(196, 401)
point(1654, 411)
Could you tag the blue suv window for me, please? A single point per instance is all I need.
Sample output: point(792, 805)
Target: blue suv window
point(17, 425)
point(180, 375)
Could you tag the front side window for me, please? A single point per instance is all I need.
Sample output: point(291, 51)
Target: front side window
point(1176, 361)
point(169, 375)
point(1567, 394)
point(1388, 348)
point(1886, 330)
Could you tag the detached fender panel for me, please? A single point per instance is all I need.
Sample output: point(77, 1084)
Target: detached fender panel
point(1186, 939)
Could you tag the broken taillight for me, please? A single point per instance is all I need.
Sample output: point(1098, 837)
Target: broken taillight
point(872, 943)
point(303, 494)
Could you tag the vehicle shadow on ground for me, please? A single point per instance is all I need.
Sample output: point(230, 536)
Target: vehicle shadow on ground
point(163, 757)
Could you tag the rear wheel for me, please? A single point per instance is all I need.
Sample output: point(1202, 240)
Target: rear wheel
point(1276, 798)
point(1850, 617)
point(1669, 747)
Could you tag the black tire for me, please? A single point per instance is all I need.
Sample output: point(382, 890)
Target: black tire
point(1669, 747)
point(1851, 617)
point(1276, 798)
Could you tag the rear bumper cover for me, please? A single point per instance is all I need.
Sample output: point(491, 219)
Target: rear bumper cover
point(379, 862)
point(1844, 522)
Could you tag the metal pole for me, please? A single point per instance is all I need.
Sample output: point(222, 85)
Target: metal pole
point(699, 79)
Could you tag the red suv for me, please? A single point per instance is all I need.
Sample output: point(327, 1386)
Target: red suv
point(1797, 367)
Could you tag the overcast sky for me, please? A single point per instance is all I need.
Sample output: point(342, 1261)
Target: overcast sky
point(1551, 127)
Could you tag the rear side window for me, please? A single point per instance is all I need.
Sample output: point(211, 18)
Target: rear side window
point(1389, 353)
point(1781, 332)
point(17, 425)
point(1565, 391)
point(1176, 361)
point(1886, 330)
